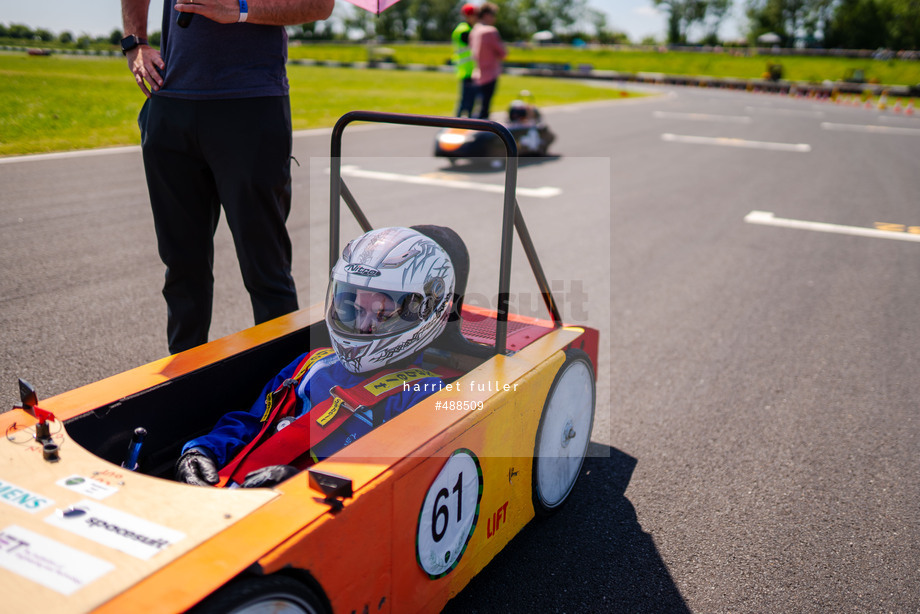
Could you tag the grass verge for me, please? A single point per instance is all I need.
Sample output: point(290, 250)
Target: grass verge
point(814, 69)
point(59, 103)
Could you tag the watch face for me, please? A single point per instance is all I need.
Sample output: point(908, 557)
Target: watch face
point(128, 43)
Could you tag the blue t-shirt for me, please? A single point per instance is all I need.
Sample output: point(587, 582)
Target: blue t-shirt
point(208, 60)
point(237, 428)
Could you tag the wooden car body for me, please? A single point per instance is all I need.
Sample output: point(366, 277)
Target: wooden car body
point(432, 495)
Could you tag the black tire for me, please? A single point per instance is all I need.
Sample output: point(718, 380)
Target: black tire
point(276, 594)
point(564, 433)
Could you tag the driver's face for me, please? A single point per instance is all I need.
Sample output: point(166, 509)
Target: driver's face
point(372, 309)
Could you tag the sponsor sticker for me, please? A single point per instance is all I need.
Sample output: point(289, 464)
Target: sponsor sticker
point(119, 530)
point(87, 487)
point(22, 498)
point(48, 562)
point(360, 269)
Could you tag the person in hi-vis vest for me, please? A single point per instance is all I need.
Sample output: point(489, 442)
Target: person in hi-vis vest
point(463, 60)
point(390, 295)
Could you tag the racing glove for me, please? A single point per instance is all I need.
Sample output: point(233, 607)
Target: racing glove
point(268, 476)
point(196, 468)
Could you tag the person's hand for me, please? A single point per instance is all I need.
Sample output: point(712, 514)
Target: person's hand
point(221, 11)
point(145, 64)
point(196, 468)
point(268, 476)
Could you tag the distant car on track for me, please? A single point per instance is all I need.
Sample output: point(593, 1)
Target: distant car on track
point(525, 123)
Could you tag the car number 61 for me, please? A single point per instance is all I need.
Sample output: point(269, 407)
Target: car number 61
point(449, 514)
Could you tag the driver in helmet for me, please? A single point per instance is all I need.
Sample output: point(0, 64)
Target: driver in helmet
point(390, 295)
point(517, 111)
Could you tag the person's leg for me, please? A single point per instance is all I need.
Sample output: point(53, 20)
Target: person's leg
point(485, 96)
point(186, 210)
point(252, 167)
point(467, 97)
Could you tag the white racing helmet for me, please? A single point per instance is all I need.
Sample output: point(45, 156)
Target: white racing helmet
point(389, 296)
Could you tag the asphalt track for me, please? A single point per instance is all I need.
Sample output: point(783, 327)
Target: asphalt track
point(757, 441)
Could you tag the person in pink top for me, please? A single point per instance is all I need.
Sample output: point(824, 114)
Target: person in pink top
point(488, 52)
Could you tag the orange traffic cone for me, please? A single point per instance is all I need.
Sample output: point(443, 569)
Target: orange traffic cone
point(910, 108)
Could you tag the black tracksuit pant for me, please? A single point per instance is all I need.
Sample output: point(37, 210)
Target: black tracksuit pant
point(200, 155)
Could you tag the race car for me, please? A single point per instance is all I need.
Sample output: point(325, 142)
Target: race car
point(92, 519)
point(532, 135)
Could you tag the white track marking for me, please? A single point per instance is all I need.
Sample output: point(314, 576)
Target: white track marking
point(870, 128)
point(727, 142)
point(786, 112)
point(703, 117)
point(63, 155)
point(106, 151)
point(767, 218)
point(354, 171)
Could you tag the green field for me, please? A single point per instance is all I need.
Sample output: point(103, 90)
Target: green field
point(57, 102)
point(795, 68)
point(61, 102)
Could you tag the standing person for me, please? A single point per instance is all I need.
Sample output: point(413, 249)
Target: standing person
point(216, 131)
point(488, 53)
point(463, 60)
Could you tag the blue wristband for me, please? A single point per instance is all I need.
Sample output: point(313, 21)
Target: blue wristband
point(244, 11)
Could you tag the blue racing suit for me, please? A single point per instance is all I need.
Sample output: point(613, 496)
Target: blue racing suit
point(237, 428)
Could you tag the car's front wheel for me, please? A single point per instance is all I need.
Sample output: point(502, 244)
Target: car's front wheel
point(564, 433)
point(275, 594)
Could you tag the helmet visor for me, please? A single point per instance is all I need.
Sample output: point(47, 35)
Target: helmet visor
point(357, 310)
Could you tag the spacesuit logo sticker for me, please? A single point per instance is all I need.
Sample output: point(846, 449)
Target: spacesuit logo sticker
point(110, 527)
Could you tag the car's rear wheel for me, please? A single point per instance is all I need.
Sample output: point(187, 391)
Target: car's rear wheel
point(275, 594)
point(564, 433)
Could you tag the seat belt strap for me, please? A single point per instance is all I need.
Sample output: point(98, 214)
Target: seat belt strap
point(293, 441)
point(279, 403)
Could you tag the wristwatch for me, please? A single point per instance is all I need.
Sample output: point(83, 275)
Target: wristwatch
point(130, 42)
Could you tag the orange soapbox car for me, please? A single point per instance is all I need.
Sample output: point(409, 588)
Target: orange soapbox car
point(398, 521)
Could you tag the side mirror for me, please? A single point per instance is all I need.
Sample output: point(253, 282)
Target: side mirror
point(334, 487)
point(28, 396)
point(29, 399)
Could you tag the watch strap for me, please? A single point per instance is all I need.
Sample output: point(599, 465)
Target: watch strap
point(131, 41)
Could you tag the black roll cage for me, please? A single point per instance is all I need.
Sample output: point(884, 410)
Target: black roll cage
point(511, 212)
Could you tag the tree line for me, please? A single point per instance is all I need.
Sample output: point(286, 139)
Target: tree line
point(837, 24)
point(847, 24)
point(841, 24)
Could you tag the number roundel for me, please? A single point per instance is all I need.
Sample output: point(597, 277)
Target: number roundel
point(449, 514)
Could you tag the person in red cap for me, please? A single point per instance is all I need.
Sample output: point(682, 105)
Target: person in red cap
point(463, 60)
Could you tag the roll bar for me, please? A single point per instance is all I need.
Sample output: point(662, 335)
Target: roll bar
point(511, 213)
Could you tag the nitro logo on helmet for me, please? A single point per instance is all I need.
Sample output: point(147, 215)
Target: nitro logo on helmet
point(360, 269)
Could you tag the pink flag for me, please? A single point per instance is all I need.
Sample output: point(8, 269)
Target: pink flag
point(374, 6)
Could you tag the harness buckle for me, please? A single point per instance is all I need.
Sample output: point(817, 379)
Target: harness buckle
point(338, 393)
